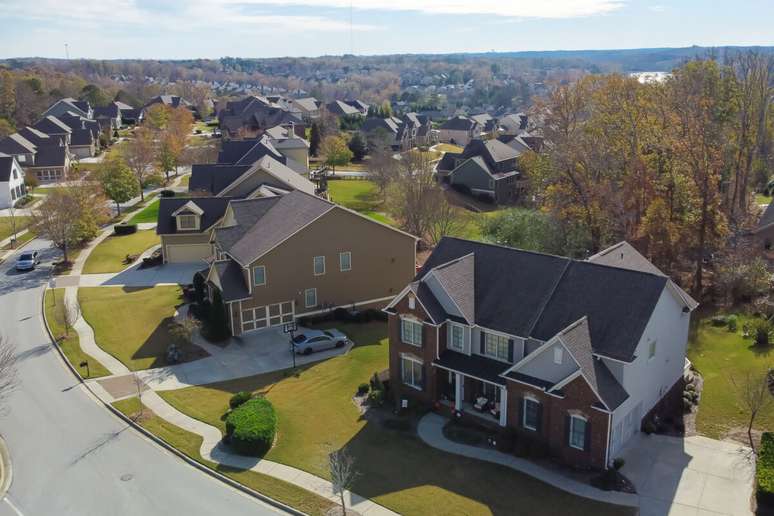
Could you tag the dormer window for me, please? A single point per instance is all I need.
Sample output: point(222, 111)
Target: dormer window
point(187, 221)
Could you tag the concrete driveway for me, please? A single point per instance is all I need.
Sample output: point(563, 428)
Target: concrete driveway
point(170, 273)
point(691, 476)
point(256, 353)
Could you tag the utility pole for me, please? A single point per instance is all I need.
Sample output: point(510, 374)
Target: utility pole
point(67, 52)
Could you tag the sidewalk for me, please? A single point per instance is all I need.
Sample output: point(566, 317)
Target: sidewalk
point(430, 430)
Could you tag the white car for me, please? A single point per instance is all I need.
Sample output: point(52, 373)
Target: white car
point(27, 261)
point(310, 341)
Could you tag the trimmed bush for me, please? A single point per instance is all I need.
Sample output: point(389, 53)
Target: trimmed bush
point(363, 389)
point(764, 474)
point(732, 321)
point(618, 463)
point(125, 229)
point(250, 428)
point(239, 398)
point(376, 397)
point(166, 193)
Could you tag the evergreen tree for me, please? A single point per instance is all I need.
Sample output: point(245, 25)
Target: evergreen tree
point(217, 324)
point(357, 145)
point(314, 139)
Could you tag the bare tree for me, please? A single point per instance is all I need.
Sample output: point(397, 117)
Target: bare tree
point(382, 168)
point(71, 312)
point(139, 156)
point(343, 474)
point(412, 193)
point(752, 390)
point(138, 384)
point(445, 219)
point(9, 379)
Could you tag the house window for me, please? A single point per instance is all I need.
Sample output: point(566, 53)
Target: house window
point(319, 265)
point(531, 415)
point(259, 275)
point(187, 222)
point(558, 355)
point(411, 332)
point(577, 432)
point(496, 346)
point(412, 372)
point(652, 349)
point(345, 261)
point(310, 297)
point(412, 303)
point(456, 337)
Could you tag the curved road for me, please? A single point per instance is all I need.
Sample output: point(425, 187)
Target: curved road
point(70, 455)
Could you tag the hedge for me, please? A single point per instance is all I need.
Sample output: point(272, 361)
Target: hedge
point(765, 471)
point(250, 428)
point(239, 398)
point(125, 229)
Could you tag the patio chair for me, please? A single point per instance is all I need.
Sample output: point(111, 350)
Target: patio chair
point(495, 410)
point(480, 404)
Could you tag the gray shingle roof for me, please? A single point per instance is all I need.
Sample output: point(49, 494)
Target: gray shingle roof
point(17, 144)
point(263, 223)
point(6, 165)
point(213, 208)
point(459, 123)
point(50, 156)
point(232, 280)
point(214, 178)
point(473, 365)
point(537, 295)
point(340, 108)
point(52, 125)
point(456, 278)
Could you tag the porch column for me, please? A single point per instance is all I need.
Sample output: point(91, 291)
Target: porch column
point(458, 379)
point(503, 406)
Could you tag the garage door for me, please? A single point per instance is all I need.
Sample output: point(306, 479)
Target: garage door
point(265, 316)
point(186, 253)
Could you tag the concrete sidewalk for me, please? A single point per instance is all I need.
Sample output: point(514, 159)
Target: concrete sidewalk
point(430, 430)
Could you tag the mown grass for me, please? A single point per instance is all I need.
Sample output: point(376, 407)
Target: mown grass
point(69, 341)
point(361, 196)
point(148, 214)
point(110, 254)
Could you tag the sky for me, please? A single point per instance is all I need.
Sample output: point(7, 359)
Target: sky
point(180, 29)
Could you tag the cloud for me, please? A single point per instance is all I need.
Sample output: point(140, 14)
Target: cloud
point(657, 8)
point(511, 8)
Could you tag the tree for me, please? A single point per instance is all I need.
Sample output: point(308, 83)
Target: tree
point(752, 390)
point(314, 139)
point(445, 218)
point(526, 229)
point(68, 216)
point(118, 182)
point(6, 127)
point(166, 154)
point(217, 323)
point(343, 474)
point(139, 156)
point(71, 312)
point(335, 151)
point(9, 379)
point(410, 197)
point(94, 95)
point(157, 116)
point(358, 146)
point(382, 168)
point(741, 277)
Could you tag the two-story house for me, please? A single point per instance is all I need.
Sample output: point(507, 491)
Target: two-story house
point(568, 354)
point(12, 186)
point(459, 130)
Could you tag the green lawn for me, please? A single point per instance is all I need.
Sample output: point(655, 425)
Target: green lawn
point(185, 180)
point(448, 147)
point(718, 355)
point(26, 237)
point(762, 199)
point(190, 444)
point(132, 324)
point(359, 195)
point(6, 226)
point(395, 468)
point(353, 167)
point(148, 214)
point(110, 254)
point(68, 341)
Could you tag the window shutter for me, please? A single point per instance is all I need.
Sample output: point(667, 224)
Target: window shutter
point(482, 349)
point(587, 436)
point(567, 430)
point(510, 350)
point(539, 425)
point(521, 412)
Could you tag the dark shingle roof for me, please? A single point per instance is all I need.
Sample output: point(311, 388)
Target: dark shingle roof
point(214, 178)
point(213, 208)
point(537, 295)
point(473, 365)
point(263, 223)
point(50, 156)
point(459, 123)
point(16, 144)
point(340, 108)
point(81, 137)
point(6, 165)
point(456, 278)
point(52, 125)
point(232, 281)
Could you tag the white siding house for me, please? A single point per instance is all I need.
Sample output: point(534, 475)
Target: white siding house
point(12, 186)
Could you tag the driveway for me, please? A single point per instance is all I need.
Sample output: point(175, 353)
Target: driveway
point(256, 353)
point(690, 476)
point(170, 273)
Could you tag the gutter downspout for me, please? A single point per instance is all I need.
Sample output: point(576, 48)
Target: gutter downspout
point(607, 448)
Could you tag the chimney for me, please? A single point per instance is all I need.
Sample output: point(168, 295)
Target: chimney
point(292, 130)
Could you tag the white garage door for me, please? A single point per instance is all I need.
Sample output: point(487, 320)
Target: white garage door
point(186, 253)
point(264, 316)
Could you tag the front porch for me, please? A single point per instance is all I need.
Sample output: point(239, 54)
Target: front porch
point(484, 400)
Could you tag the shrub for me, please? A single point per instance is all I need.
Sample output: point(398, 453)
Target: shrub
point(250, 428)
point(216, 327)
point(618, 463)
point(376, 397)
point(167, 193)
point(363, 389)
point(732, 321)
point(719, 320)
point(239, 399)
point(125, 229)
point(649, 427)
point(761, 331)
point(764, 474)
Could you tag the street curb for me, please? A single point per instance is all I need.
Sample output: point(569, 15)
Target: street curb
point(161, 442)
point(6, 468)
point(9, 252)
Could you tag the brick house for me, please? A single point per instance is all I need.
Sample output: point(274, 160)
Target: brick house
point(566, 353)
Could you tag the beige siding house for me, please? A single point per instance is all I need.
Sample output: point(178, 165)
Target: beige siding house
point(185, 226)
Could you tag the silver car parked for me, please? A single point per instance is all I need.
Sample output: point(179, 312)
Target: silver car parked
point(27, 261)
point(309, 341)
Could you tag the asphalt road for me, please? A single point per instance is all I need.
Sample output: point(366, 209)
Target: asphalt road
point(70, 455)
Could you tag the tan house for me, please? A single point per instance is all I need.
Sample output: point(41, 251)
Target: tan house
point(185, 226)
point(283, 257)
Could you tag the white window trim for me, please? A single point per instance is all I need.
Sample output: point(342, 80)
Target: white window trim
point(264, 275)
point(411, 320)
point(342, 254)
point(452, 327)
point(314, 266)
point(412, 302)
point(652, 349)
point(524, 413)
point(573, 417)
point(196, 225)
point(558, 354)
point(496, 356)
point(416, 361)
point(306, 297)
